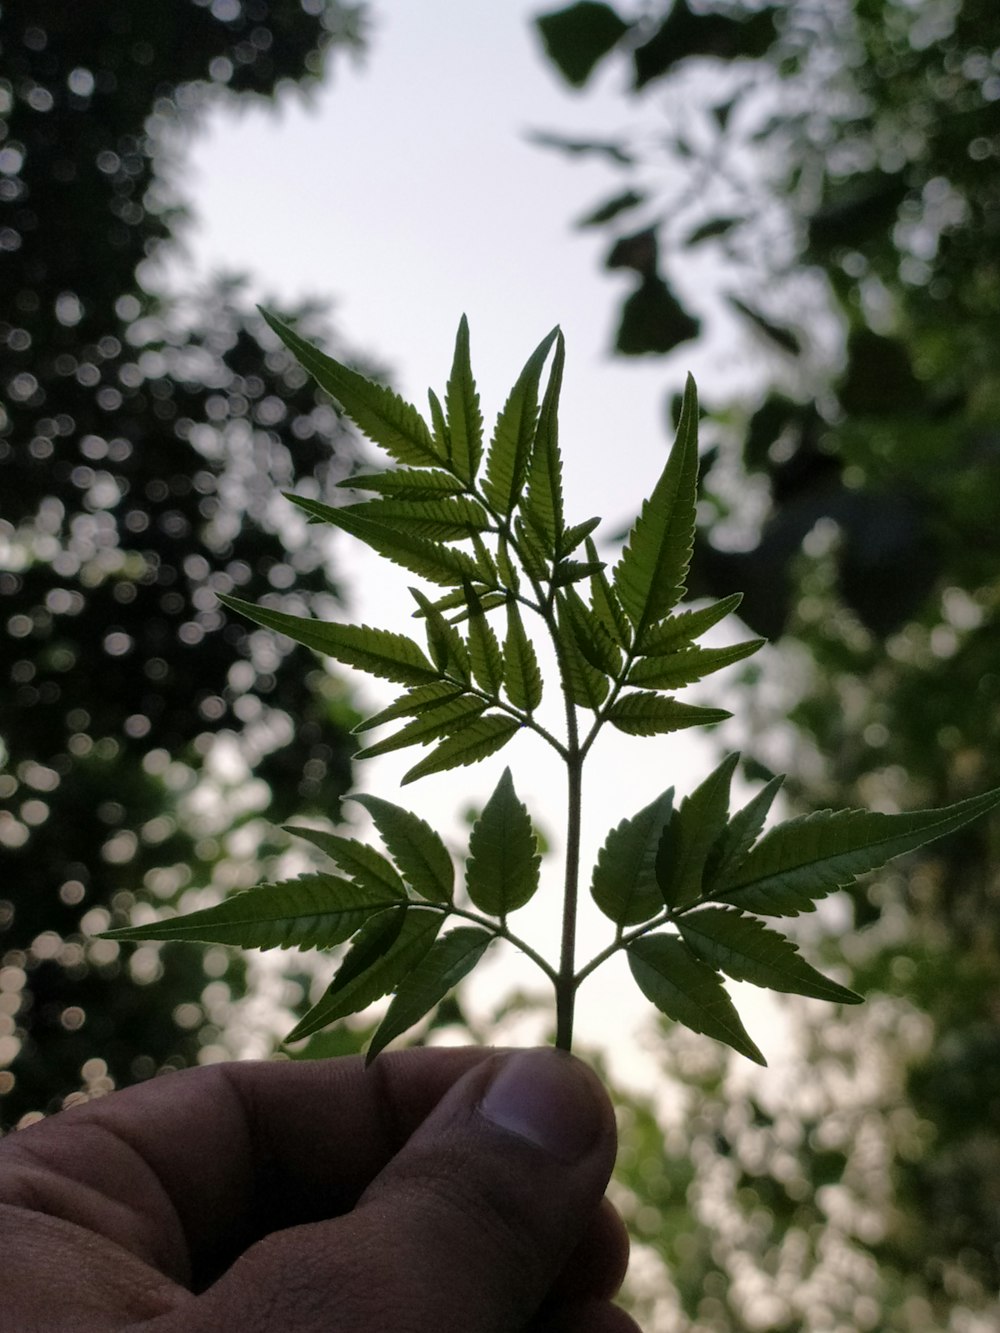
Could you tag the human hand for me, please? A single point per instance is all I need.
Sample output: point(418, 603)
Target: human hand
point(439, 1191)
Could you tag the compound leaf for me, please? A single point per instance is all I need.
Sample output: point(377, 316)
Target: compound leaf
point(412, 703)
point(311, 912)
point(446, 646)
point(386, 948)
point(624, 885)
point(806, 858)
point(366, 865)
point(646, 714)
point(746, 950)
point(741, 833)
point(688, 991)
point(384, 417)
point(649, 578)
point(441, 968)
point(419, 852)
point(502, 871)
point(429, 725)
point(481, 737)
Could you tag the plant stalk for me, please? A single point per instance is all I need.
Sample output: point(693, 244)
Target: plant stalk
point(566, 983)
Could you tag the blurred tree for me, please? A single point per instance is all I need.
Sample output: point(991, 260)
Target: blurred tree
point(143, 443)
point(829, 174)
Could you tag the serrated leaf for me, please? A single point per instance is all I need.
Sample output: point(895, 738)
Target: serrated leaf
point(746, 950)
point(592, 639)
point(380, 652)
point(684, 628)
point(429, 725)
point(606, 605)
point(688, 991)
point(700, 817)
point(449, 518)
point(543, 501)
point(484, 650)
point(446, 646)
point(432, 560)
point(488, 601)
point(439, 427)
point(573, 536)
point(481, 737)
point(384, 417)
point(740, 833)
point(312, 912)
point(447, 961)
point(645, 714)
point(513, 437)
point(532, 552)
point(624, 885)
point(585, 685)
point(672, 671)
point(522, 677)
point(384, 951)
point(501, 873)
point(649, 578)
point(412, 703)
point(465, 420)
point(411, 483)
point(507, 569)
point(419, 852)
point(806, 858)
point(366, 865)
point(572, 571)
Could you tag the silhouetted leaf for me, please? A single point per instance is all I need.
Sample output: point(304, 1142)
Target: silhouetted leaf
point(671, 671)
point(684, 34)
point(465, 420)
point(522, 677)
point(578, 37)
point(700, 818)
point(501, 873)
point(653, 321)
point(419, 852)
point(514, 434)
point(624, 885)
point(365, 864)
point(646, 714)
point(481, 737)
point(611, 208)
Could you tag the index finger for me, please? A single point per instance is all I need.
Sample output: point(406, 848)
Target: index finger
point(187, 1170)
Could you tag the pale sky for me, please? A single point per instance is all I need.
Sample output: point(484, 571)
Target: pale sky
point(406, 191)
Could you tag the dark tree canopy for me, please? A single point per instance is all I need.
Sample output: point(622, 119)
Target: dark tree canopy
point(143, 443)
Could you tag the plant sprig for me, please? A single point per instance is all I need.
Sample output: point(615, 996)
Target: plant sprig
point(684, 884)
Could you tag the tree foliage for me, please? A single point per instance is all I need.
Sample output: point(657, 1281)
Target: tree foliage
point(140, 443)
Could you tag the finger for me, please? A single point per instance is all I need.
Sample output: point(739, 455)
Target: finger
point(188, 1169)
point(467, 1228)
point(597, 1265)
point(587, 1317)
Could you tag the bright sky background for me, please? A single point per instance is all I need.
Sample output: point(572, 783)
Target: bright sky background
point(407, 192)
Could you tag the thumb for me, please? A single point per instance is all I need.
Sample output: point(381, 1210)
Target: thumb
point(468, 1227)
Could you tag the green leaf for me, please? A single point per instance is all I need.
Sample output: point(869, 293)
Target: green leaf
point(384, 417)
point(481, 737)
point(439, 427)
point(532, 551)
point(593, 641)
point(502, 871)
point(649, 578)
point(520, 664)
point(585, 684)
point(311, 912)
point(448, 518)
point(513, 437)
point(506, 568)
point(700, 818)
point(740, 833)
point(380, 652)
point(808, 857)
point(447, 961)
point(430, 559)
point(578, 36)
point(746, 950)
point(543, 502)
point(484, 650)
point(465, 420)
point(429, 725)
point(366, 865)
point(672, 671)
point(446, 646)
point(412, 703)
point(386, 948)
point(624, 886)
point(406, 483)
point(683, 629)
point(688, 991)
point(419, 852)
point(573, 536)
point(572, 571)
point(645, 714)
point(606, 605)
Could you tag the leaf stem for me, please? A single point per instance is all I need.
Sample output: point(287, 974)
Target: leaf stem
point(502, 932)
point(566, 982)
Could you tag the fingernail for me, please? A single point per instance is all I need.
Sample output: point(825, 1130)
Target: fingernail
point(548, 1098)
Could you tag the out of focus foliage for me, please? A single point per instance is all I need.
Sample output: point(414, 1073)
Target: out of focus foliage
point(817, 188)
point(143, 442)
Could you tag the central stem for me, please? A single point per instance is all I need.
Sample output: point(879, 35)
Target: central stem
point(566, 985)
